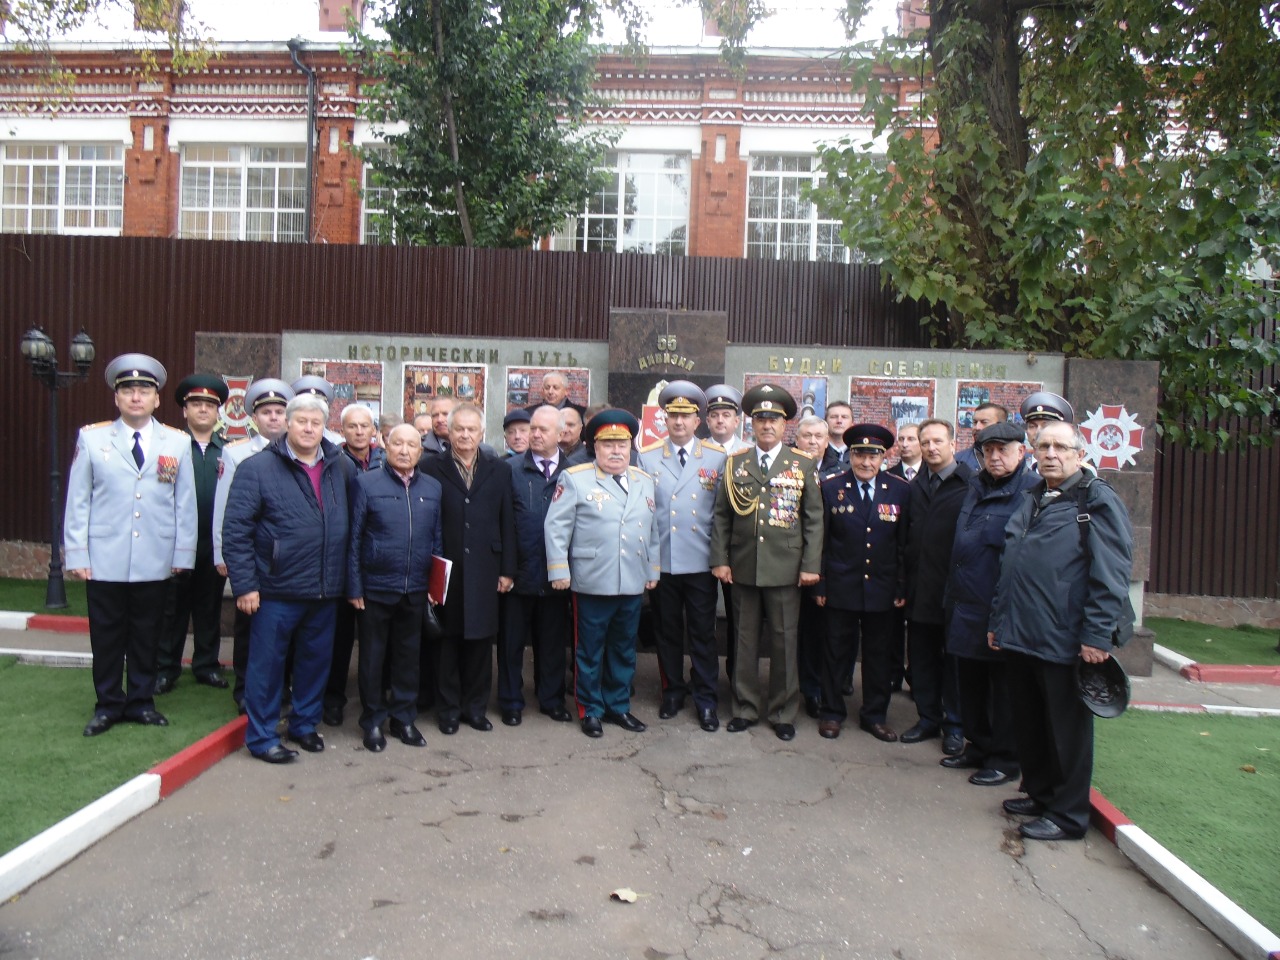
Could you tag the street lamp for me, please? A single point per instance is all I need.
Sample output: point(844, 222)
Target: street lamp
point(43, 357)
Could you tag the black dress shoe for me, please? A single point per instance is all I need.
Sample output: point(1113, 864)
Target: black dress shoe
point(212, 679)
point(151, 718)
point(990, 777)
point(374, 741)
point(952, 744)
point(406, 733)
point(99, 724)
point(812, 706)
point(670, 707)
point(559, 714)
point(480, 723)
point(277, 754)
point(626, 721)
point(921, 731)
point(784, 731)
point(1046, 829)
point(332, 716)
point(511, 718)
point(738, 724)
point(165, 685)
point(829, 729)
point(591, 727)
point(448, 727)
point(879, 730)
point(961, 761)
point(1023, 807)
point(311, 742)
point(708, 720)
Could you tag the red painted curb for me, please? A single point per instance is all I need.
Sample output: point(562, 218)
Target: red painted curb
point(1227, 673)
point(183, 767)
point(57, 624)
point(1106, 815)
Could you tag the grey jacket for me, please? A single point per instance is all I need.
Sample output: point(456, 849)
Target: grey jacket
point(1050, 599)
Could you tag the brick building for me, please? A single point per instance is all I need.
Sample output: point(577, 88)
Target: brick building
point(708, 163)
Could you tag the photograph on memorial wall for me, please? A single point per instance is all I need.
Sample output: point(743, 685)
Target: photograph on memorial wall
point(524, 385)
point(971, 394)
point(353, 382)
point(424, 382)
point(891, 402)
point(809, 393)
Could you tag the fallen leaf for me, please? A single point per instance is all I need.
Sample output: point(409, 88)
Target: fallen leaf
point(1204, 733)
point(623, 895)
point(285, 799)
point(1249, 768)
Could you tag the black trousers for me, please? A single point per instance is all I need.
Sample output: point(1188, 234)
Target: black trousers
point(845, 630)
point(464, 678)
point(811, 645)
point(1054, 733)
point(986, 714)
point(684, 606)
point(898, 652)
point(542, 622)
point(933, 676)
point(195, 597)
point(344, 641)
point(126, 621)
point(390, 644)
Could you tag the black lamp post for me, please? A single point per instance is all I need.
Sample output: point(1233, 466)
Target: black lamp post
point(43, 357)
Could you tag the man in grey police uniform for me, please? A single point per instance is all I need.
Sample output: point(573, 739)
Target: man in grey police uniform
point(686, 472)
point(130, 525)
point(265, 402)
point(602, 542)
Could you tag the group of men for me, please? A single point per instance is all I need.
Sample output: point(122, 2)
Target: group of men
point(821, 556)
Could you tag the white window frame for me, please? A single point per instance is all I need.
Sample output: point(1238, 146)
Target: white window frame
point(810, 222)
point(369, 210)
point(230, 168)
point(575, 233)
point(105, 186)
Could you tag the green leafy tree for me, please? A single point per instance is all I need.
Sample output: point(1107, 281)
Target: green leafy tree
point(1103, 181)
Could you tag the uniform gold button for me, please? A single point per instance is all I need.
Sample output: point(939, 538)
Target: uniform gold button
point(762, 539)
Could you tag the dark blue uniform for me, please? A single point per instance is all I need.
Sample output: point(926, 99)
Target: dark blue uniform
point(862, 575)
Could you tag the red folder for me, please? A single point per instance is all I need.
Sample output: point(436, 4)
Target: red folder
point(438, 581)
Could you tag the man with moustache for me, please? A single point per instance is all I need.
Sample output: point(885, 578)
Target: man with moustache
point(767, 542)
point(686, 473)
point(265, 401)
point(130, 524)
point(479, 537)
point(196, 596)
point(603, 543)
point(535, 614)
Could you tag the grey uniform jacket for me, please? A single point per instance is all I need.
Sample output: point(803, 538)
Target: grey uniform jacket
point(233, 454)
point(130, 525)
point(686, 501)
point(605, 543)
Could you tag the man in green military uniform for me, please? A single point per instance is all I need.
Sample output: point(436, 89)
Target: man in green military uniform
point(196, 594)
point(767, 542)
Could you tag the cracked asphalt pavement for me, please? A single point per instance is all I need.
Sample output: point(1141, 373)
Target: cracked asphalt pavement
point(509, 843)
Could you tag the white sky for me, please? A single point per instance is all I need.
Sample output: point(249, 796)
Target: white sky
point(794, 23)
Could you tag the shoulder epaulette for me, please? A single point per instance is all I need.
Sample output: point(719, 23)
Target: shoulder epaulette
point(657, 444)
point(893, 476)
point(712, 445)
point(173, 429)
point(579, 467)
point(236, 443)
point(797, 450)
point(100, 423)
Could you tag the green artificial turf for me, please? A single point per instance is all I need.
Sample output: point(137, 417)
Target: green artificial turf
point(1205, 644)
point(50, 769)
point(29, 595)
point(1181, 778)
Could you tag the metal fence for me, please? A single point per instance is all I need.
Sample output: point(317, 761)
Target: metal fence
point(1217, 517)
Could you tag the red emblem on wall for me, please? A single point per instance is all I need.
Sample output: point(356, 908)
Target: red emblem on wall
point(1113, 438)
point(234, 414)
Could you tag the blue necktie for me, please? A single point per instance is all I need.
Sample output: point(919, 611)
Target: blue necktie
point(137, 449)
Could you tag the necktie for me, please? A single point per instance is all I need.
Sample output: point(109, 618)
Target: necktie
point(682, 456)
point(764, 463)
point(546, 469)
point(617, 478)
point(866, 492)
point(909, 473)
point(137, 449)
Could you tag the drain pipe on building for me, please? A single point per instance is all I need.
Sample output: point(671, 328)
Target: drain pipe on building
point(296, 44)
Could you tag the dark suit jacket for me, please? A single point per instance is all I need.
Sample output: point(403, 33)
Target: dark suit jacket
point(931, 532)
point(897, 470)
point(480, 539)
point(582, 411)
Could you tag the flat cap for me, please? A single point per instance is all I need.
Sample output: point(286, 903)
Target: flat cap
point(1003, 432)
point(721, 396)
point(313, 384)
point(1043, 405)
point(515, 416)
point(769, 400)
point(682, 396)
point(202, 386)
point(267, 390)
point(135, 368)
point(868, 436)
